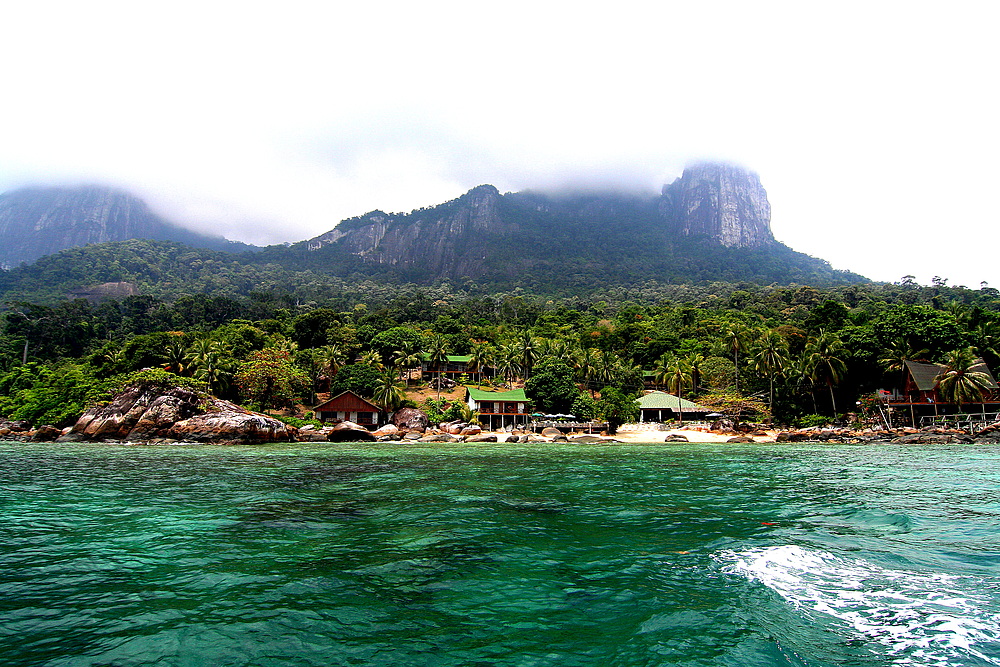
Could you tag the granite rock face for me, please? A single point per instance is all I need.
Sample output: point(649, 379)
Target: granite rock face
point(723, 202)
point(435, 239)
point(143, 412)
point(44, 220)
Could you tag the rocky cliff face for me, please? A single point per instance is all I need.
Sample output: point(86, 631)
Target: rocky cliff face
point(443, 240)
point(723, 202)
point(40, 221)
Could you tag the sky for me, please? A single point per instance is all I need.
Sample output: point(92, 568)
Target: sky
point(872, 125)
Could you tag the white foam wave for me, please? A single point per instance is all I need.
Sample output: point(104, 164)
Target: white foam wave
point(921, 618)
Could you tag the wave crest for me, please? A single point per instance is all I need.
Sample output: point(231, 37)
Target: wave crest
point(921, 618)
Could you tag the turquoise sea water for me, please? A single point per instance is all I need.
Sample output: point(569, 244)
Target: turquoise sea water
point(622, 555)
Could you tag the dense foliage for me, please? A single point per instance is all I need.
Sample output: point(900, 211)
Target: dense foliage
point(788, 350)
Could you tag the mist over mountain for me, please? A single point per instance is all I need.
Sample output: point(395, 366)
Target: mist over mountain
point(40, 221)
point(710, 224)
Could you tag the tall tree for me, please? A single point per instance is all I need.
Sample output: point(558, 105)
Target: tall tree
point(437, 354)
point(959, 382)
point(734, 340)
point(824, 357)
point(770, 359)
point(678, 376)
point(528, 349)
point(389, 395)
point(479, 358)
point(895, 356)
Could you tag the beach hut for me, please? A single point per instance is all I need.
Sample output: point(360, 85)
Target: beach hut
point(348, 406)
point(659, 406)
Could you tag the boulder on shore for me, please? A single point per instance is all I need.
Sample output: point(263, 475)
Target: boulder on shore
point(347, 431)
point(147, 411)
point(410, 419)
point(387, 430)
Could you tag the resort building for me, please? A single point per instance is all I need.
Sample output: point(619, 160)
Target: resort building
point(659, 406)
point(348, 406)
point(919, 399)
point(498, 408)
point(455, 366)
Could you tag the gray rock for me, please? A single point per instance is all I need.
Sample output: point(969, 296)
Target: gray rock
point(409, 418)
point(146, 412)
point(347, 431)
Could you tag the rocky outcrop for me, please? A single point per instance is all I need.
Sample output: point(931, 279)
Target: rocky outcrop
point(41, 221)
point(148, 412)
point(435, 240)
point(723, 202)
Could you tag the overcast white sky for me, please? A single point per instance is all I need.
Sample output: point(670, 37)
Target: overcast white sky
point(873, 125)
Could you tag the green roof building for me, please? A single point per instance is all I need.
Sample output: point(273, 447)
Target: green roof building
point(659, 406)
point(498, 408)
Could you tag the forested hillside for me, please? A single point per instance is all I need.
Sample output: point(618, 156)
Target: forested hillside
point(809, 350)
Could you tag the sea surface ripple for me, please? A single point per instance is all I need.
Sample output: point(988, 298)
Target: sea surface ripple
point(430, 555)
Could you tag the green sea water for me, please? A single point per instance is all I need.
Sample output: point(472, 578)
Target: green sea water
point(621, 555)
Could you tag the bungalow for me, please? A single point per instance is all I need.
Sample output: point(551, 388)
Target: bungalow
point(659, 406)
point(920, 396)
point(455, 366)
point(498, 408)
point(348, 406)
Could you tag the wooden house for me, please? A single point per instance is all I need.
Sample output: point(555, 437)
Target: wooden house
point(919, 396)
point(498, 408)
point(659, 406)
point(348, 406)
point(454, 367)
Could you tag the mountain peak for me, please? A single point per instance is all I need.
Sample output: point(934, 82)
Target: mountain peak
point(38, 221)
point(722, 201)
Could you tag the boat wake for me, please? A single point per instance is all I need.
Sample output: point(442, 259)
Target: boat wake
point(918, 618)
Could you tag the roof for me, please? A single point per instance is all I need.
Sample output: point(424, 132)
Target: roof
point(484, 395)
point(925, 375)
point(345, 399)
point(452, 358)
point(661, 400)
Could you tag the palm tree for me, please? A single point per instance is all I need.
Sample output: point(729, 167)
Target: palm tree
point(334, 358)
point(405, 360)
point(585, 365)
point(560, 349)
point(528, 350)
point(771, 357)
point(437, 354)
point(734, 340)
point(389, 394)
point(822, 352)
point(894, 358)
point(958, 383)
point(372, 358)
point(661, 369)
point(694, 362)
point(175, 357)
point(479, 358)
point(802, 373)
point(507, 362)
point(677, 377)
point(213, 370)
point(986, 338)
point(198, 351)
